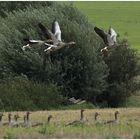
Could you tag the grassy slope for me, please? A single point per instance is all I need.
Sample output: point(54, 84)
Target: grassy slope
point(128, 126)
point(122, 16)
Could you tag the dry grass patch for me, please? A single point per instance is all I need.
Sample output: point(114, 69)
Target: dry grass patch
point(128, 126)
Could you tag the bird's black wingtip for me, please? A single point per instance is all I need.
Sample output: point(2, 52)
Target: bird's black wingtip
point(40, 24)
point(96, 28)
point(26, 39)
point(42, 27)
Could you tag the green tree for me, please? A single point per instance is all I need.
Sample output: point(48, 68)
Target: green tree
point(79, 70)
point(9, 6)
point(123, 63)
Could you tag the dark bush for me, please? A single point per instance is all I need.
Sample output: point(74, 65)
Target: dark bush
point(123, 63)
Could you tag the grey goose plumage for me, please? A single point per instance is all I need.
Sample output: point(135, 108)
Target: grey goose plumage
point(55, 36)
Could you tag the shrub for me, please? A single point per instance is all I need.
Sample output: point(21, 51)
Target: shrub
point(123, 63)
point(79, 69)
point(21, 94)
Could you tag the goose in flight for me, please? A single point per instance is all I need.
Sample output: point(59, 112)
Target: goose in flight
point(55, 36)
point(108, 38)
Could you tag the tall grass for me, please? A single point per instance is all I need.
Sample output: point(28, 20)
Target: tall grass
point(128, 126)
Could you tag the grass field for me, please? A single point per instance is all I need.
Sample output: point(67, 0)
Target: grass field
point(128, 126)
point(122, 16)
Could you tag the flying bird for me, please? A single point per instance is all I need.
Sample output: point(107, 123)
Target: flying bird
point(108, 38)
point(54, 36)
point(30, 43)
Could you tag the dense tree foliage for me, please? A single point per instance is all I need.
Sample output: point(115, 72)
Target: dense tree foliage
point(123, 63)
point(9, 6)
point(78, 71)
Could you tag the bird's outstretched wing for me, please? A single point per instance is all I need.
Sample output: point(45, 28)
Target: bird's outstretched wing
point(44, 30)
point(56, 30)
point(31, 41)
point(113, 34)
point(48, 33)
point(26, 40)
point(102, 34)
point(53, 26)
point(110, 40)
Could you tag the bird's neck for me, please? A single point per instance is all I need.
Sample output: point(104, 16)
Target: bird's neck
point(27, 117)
point(9, 119)
point(116, 116)
point(82, 116)
point(0, 118)
point(95, 117)
point(49, 119)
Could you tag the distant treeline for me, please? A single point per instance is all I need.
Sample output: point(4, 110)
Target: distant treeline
point(80, 71)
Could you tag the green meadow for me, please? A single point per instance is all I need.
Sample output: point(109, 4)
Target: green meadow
point(124, 17)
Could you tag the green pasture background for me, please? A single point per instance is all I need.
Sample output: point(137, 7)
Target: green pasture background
point(124, 17)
